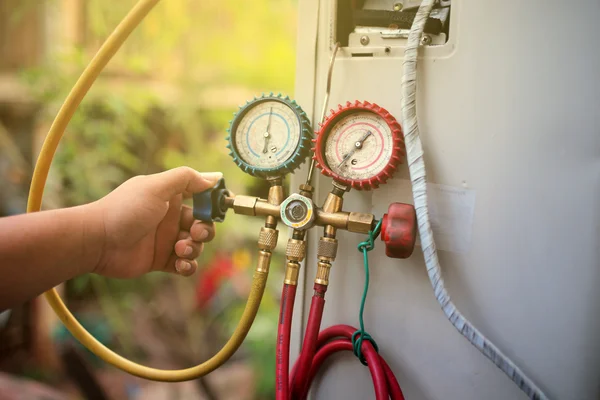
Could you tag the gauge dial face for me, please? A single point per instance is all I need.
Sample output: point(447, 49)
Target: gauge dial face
point(359, 146)
point(267, 135)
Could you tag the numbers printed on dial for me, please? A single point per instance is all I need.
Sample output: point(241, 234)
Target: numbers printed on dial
point(268, 134)
point(359, 146)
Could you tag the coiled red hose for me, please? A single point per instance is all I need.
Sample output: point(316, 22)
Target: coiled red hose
point(376, 362)
point(318, 346)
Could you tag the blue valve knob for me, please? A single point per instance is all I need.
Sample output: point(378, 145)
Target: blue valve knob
point(209, 205)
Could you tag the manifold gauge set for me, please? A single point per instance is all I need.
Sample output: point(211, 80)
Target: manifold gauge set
point(359, 145)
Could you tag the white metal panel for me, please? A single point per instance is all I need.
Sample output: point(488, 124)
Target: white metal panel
point(509, 109)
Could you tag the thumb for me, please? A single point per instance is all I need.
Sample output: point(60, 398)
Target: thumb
point(181, 180)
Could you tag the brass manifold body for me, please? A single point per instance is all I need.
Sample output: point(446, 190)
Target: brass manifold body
point(298, 212)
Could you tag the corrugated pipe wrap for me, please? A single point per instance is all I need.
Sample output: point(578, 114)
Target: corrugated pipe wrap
point(416, 165)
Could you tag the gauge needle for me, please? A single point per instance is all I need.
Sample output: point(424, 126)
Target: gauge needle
point(267, 133)
point(357, 146)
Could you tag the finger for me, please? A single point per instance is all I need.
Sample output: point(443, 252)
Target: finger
point(202, 231)
point(187, 217)
point(185, 267)
point(183, 235)
point(188, 249)
point(166, 231)
point(180, 266)
point(181, 180)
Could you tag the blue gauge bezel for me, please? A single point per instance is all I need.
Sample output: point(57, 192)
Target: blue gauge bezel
point(294, 161)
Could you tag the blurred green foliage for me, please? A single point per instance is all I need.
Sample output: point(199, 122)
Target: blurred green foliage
point(251, 44)
point(165, 100)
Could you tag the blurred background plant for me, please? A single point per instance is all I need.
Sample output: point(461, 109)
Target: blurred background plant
point(164, 101)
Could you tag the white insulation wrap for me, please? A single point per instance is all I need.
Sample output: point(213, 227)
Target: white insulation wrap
point(419, 187)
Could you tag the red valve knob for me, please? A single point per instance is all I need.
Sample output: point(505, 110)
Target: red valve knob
point(399, 230)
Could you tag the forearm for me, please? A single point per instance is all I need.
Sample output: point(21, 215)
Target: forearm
point(40, 250)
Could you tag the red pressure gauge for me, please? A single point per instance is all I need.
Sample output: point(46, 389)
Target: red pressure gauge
point(359, 145)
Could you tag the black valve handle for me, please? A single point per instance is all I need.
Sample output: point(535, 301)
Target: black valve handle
point(209, 205)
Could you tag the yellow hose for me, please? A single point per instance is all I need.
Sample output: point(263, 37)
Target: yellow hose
point(36, 191)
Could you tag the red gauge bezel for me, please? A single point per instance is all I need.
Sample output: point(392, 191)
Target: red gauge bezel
point(397, 137)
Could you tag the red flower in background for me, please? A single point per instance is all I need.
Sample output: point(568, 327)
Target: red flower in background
point(211, 278)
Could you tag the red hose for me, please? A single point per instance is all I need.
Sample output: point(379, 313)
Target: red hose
point(318, 346)
point(301, 370)
point(393, 385)
point(288, 297)
point(328, 343)
point(375, 367)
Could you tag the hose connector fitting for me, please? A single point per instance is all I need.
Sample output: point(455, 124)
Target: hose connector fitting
point(295, 250)
point(267, 239)
point(292, 272)
point(323, 270)
point(327, 249)
point(264, 261)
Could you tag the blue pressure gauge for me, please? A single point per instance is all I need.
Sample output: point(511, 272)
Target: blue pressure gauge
point(269, 136)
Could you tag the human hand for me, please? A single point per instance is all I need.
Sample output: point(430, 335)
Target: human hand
point(147, 228)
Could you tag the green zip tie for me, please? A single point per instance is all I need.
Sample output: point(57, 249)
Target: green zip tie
point(361, 334)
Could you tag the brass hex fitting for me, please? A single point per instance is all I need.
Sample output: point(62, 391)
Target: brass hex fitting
point(264, 260)
point(352, 222)
point(306, 187)
point(244, 205)
point(306, 190)
point(295, 250)
point(323, 269)
point(298, 212)
point(267, 239)
point(327, 249)
point(360, 223)
point(292, 271)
